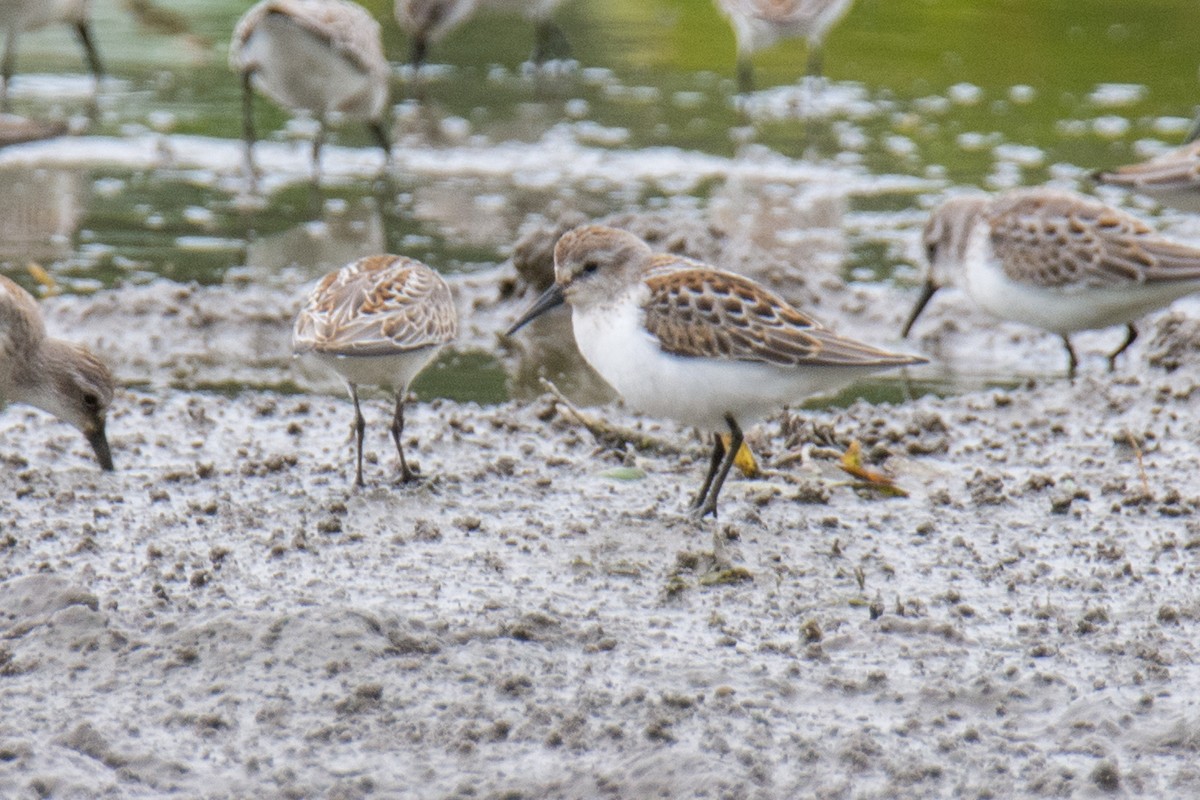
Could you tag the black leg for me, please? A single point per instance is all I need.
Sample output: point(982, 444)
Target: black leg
point(406, 474)
point(379, 131)
point(1131, 334)
point(735, 444)
point(816, 60)
point(745, 75)
point(1072, 359)
point(718, 453)
point(84, 31)
point(360, 426)
point(549, 42)
point(248, 134)
point(318, 143)
point(8, 67)
point(420, 50)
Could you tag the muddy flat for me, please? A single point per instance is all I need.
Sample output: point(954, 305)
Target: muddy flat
point(225, 616)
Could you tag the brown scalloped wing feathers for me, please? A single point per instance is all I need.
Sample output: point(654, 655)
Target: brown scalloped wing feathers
point(712, 314)
point(378, 305)
point(1061, 240)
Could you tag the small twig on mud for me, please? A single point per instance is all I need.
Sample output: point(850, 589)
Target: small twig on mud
point(613, 436)
point(1141, 464)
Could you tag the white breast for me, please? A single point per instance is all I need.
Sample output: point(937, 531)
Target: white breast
point(695, 391)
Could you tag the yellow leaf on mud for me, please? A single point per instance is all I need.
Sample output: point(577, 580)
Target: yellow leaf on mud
point(744, 460)
point(852, 463)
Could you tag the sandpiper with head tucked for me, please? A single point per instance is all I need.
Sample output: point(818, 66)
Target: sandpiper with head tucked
point(378, 321)
point(18, 16)
point(758, 24)
point(65, 379)
point(679, 339)
point(320, 56)
point(1055, 260)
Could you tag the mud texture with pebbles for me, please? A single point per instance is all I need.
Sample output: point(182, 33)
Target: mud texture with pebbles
point(225, 617)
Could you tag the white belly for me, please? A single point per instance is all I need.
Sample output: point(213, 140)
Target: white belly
point(394, 371)
point(298, 70)
point(1064, 310)
point(695, 391)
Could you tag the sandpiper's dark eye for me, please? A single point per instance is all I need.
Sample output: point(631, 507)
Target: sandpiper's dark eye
point(591, 267)
point(931, 251)
point(91, 402)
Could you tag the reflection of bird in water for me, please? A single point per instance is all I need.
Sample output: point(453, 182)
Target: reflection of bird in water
point(18, 16)
point(59, 377)
point(378, 321)
point(321, 56)
point(40, 212)
point(1055, 260)
point(429, 21)
point(758, 24)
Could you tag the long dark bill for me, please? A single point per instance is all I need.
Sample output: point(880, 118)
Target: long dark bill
point(99, 443)
point(551, 298)
point(927, 292)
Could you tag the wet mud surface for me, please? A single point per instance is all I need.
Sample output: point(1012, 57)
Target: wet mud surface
point(224, 616)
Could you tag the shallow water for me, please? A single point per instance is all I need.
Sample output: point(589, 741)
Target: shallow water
point(919, 97)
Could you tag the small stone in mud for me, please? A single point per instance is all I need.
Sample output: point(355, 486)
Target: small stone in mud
point(1168, 615)
point(1106, 776)
point(986, 489)
point(1060, 503)
point(875, 609)
point(468, 523)
point(659, 730)
point(811, 492)
point(811, 631)
point(726, 576)
point(426, 531)
point(364, 698)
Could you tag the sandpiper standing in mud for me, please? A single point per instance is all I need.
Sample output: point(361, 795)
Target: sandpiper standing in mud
point(679, 339)
point(64, 379)
point(1055, 260)
point(378, 321)
point(319, 56)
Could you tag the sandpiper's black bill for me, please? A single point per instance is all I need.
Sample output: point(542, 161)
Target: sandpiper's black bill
point(551, 298)
point(927, 292)
point(99, 443)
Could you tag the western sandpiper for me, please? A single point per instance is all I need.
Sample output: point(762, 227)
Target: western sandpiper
point(1172, 178)
point(17, 16)
point(758, 24)
point(65, 379)
point(1055, 260)
point(378, 321)
point(320, 56)
point(679, 339)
